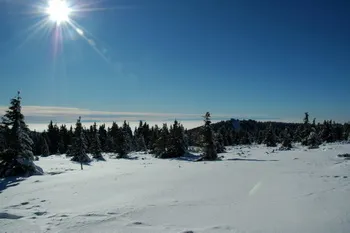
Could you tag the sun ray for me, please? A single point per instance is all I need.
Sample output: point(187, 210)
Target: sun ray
point(33, 30)
point(103, 9)
point(88, 4)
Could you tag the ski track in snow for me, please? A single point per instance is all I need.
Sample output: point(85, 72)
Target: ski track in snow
point(252, 189)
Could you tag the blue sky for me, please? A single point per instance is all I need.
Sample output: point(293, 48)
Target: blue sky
point(254, 59)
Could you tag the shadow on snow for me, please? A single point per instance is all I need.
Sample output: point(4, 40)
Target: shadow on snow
point(188, 157)
point(9, 182)
point(253, 160)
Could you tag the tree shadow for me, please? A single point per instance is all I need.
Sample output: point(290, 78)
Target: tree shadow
point(9, 182)
point(85, 163)
point(130, 158)
point(253, 160)
point(189, 157)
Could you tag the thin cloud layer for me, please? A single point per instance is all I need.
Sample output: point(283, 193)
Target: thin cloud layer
point(37, 117)
point(39, 113)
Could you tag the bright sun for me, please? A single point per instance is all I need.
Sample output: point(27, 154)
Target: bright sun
point(58, 11)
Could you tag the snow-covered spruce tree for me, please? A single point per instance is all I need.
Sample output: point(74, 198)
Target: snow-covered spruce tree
point(297, 134)
point(141, 144)
point(230, 138)
point(78, 148)
point(306, 130)
point(122, 146)
point(161, 145)
point(219, 143)
point(154, 137)
point(260, 137)
point(244, 138)
point(53, 133)
point(61, 146)
point(95, 149)
point(186, 139)
point(270, 138)
point(3, 141)
point(17, 160)
point(128, 136)
point(209, 150)
point(110, 144)
point(313, 141)
point(176, 142)
point(44, 147)
point(286, 140)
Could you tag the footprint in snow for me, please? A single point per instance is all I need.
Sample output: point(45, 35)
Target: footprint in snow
point(137, 223)
point(21, 204)
point(31, 207)
point(112, 213)
point(40, 213)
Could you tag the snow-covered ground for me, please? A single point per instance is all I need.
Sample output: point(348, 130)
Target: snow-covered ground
point(250, 190)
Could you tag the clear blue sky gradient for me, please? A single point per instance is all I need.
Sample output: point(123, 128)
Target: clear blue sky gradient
point(275, 58)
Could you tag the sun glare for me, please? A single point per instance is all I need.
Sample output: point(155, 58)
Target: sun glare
point(58, 11)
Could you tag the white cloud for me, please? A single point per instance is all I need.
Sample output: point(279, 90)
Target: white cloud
point(38, 117)
point(71, 112)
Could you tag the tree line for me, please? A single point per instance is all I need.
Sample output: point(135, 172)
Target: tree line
point(19, 146)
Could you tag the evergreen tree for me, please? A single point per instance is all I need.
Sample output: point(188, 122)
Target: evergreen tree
point(17, 160)
point(3, 134)
point(325, 134)
point(127, 132)
point(110, 144)
point(261, 137)
point(286, 140)
point(270, 137)
point(44, 147)
point(64, 139)
point(244, 138)
point(313, 141)
point(146, 134)
point(61, 146)
point(112, 140)
point(122, 146)
point(306, 130)
point(306, 118)
point(36, 138)
point(219, 143)
point(78, 149)
point(141, 144)
point(223, 133)
point(102, 132)
point(176, 142)
point(53, 134)
point(162, 142)
point(230, 137)
point(154, 136)
point(96, 144)
point(208, 140)
point(186, 139)
point(297, 137)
